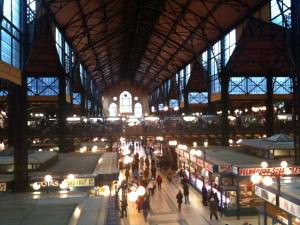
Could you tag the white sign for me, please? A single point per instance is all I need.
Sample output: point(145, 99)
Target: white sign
point(186, 155)
point(81, 182)
point(193, 158)
point(2, 187)
point(290, 207)
point(266, 195)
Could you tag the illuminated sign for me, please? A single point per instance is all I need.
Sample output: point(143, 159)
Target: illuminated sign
point(266, 195)
point(81, 182)
point(77, 182)
point(186, 155)
point(2, 187)
point(199, 162)
point(267, 171)
point(44, 184)
point(193, 158)
point(290, 207)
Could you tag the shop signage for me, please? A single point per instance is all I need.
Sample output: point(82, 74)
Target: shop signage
point(266, 195)
point(2, 187)
point(81, 182)
point(235, 170)
point(267, 171)
point(78, 182)
point(193, 158)
point(211, 168)
point(289, 206)
point(181, 152)
point(225, 168)
point(186, 155)
point(199, 162)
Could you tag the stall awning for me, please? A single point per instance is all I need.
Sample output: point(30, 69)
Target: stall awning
point(43, 57)
point(107, 167)
point(260, 51)
point(198, 78)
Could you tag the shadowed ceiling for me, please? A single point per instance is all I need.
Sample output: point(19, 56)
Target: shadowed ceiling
point(144, 41)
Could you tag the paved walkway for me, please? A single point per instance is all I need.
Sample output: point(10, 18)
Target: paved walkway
point(164, 210)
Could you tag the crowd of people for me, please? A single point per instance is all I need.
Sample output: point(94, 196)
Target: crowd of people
point(143, 172)
point(209, 198)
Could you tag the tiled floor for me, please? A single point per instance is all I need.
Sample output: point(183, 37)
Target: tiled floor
point(164, 211)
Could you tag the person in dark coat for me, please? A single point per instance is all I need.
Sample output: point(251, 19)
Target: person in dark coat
point(213, 208)
point(215, 197)
point(153, 171)
point(127, 174)
point(179, 198)
point(204, 195)
point(145, 207)
point(186, 193)
point(124, 208)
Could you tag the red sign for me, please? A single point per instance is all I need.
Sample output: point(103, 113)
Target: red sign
point(268, 171)
point(209, 167)
point(199, 162)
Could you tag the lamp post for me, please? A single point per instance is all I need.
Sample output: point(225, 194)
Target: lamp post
point(266, 179)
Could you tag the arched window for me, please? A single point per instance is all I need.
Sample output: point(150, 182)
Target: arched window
point(125, 102)
point(138, 109)
point(113, 109)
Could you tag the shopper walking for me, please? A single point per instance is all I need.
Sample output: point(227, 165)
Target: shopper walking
point(124, 208)
point(146, 208)
point(153, 171)
point(213, 208)
point(186, 193)
point(204, 195)
point(127, 174)
point(179, 198)
point(139, 203)
point(159, 181)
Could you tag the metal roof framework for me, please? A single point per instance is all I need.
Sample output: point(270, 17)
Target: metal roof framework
point(144, 41)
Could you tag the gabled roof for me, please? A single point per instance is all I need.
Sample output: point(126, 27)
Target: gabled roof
point(197, 81)
point(173, 92)
point(278, 141)
point(144, 41)
point(261, 50)
point(280, 138)
point(43, 57)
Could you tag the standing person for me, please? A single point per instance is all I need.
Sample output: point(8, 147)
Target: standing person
point(146, 173)
point(153, 171)
point(186, 193)
point(153, 162)
point(204, 195)
point(213, 208)
point(147, 163)
point(159, 181)
point(146, 208)
point(139, 203)
point(216, 199)
point(142, 164)
point(179, 198)
point(150, 187)
point(127, 174)
point(124, 207)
